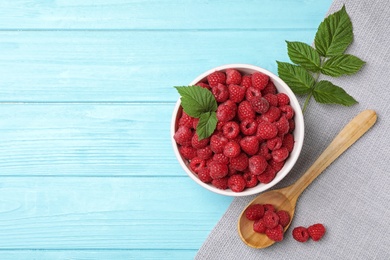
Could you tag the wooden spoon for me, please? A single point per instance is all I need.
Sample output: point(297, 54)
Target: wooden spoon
point(286, 198)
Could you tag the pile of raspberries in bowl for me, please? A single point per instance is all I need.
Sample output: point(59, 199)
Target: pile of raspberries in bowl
point(258, 136)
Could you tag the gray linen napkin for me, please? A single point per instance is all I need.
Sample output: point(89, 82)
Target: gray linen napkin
point(352, 196)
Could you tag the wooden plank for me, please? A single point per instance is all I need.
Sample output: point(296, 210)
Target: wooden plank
point(106, 213)
point(125, 66)
point(168, 14)
point(87, 140)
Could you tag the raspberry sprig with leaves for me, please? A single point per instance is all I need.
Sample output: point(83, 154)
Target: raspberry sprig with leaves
point(327, 57)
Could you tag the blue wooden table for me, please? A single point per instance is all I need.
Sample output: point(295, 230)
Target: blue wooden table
point(86, 96)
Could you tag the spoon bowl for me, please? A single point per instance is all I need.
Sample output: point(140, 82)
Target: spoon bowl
point(286, 198)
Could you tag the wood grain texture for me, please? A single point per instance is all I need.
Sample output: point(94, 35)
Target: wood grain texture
point(167, 14)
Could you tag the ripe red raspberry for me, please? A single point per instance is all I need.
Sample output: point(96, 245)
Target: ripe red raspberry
point(233, 76)
point(259, 80)
point(259, 104)
point(271, 219)
point(204, 153)
point(236, 183)
point(240, 162)
point(250, 179)
point(236, 93)
point(231, 129)
point(300, 234)
point(186, 120)
point(246, 81)
point(218, 142)
point(274, 143)
point(282, 125)
point(226, 111)
point(250, 144)
point(257, 164)
point(232, 171)
point(220, 92)
point(283, 99)
point(204, 175)
point(221, 158)
point(267, 176)
point(264, 151)
point(284, 217)
point(218, 170)
point(259, 226)
point(254, 212)
point(188, 152)
point(198, 144)
point(291, 122)
point(275, 234)
point(232, 149)
point(272, 99)
point(183, 136)
point(196, 164)
point(203, 85)
point(288, 111)
point(288, 142)
point(277, 166)
point(252, 92)
point(269, 207)
point(221, 183)
point(216, 77)
point(280, 155)
point(248, 126)
point(316, 231)
point(269, 89)
point(195, 123)
point(266, 130)
point(272, 115)
point(245, 111)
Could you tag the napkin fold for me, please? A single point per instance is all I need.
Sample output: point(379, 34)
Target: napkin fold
point(352, 196)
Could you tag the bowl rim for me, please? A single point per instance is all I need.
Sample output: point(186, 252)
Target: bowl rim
point(298, 134)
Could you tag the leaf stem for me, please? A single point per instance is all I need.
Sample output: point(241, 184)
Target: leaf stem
point(316, 76)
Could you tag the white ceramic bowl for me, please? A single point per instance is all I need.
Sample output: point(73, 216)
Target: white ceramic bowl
point(298, 132)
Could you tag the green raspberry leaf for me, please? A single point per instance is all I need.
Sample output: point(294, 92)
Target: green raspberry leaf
point(303, 54)
point(327, 93)
point(344, 64)
point(297, 78)
point(196, 100)
point(334, 34)
point(206, 125)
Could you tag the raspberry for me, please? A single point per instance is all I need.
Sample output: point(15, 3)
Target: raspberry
point(300, 234)
point(246, 81)
point(245, 111)
point(264, 151)
point(271, 219)
point(248, 126)
point(240, 162)
point(266, 130)
point(204, 175)
point(232, 171)
point(254, 212)
point(220, 92)
point(196, 164)
point(269, 89)
point(275, 234)
point(204, 153)
point(183, 136)
point(236, 183)
point(284, 217)
point(259, 80)
point(259, 104)
point(288, 111)
point(280, 155)
point(221, 183)
point(272, 115)
point(216, 77)
point(288, 142)
point(226, 111)
point(291, 122)
point(186, 120)
point(267, 176)
point(250, 144)
point(236, 93)
point(232, 149)
point(272, 99)
point(257, 164)
point(316, 231)
point(282, 125)
point(259, 226)
point(221, 158)
point(203, 85)
point(277, 166)
point(231, 129)
point(274, 143)
point(195, 123)
point(233, 76)
point(218, 170)
point(283, 99)
point(188, 152)
point(198, 144)
point(252, 92)
point(269, 207)
point(250, 179)
point(217, 143)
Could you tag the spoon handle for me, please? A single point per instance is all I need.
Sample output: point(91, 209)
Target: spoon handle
point(347, 136)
